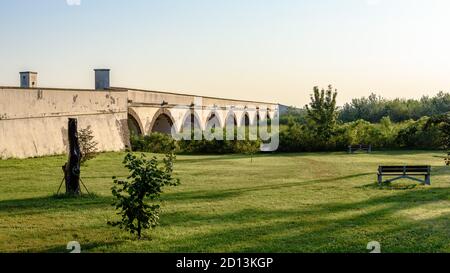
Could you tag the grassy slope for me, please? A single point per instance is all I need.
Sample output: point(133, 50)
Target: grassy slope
point(278, 203)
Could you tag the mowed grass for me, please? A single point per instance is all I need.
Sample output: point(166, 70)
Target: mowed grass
point(325, 202)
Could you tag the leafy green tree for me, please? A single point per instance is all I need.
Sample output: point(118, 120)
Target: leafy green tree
point(443, 123)
point(143, 186)
point(419, 134)
point(296, 114)
point(322, 112)
point(88, 145)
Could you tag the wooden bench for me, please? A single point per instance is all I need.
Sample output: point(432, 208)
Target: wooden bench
point(408, 172)
point(361, 147)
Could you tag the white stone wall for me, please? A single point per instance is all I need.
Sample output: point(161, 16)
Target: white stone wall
point(33, 122)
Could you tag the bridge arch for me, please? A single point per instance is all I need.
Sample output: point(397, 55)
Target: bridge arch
point(191, 122)
point(263, 114)
point(213, 121)
point(134, 123)
point(245, 120)
point(231, 120)
point(162, 122)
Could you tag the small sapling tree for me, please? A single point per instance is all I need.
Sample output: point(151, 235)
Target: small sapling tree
point(137, 197)
point(88, 145)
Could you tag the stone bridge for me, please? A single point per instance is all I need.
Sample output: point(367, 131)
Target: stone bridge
point(33, 120)
point(150, 111)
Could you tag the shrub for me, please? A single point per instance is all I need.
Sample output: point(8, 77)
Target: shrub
point(418, 134)
point(146, 181)
point(154, 143)
point(162, 143)
point(88, 146)
point(296, 137)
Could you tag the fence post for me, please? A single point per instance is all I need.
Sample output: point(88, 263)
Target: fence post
point(380, 176)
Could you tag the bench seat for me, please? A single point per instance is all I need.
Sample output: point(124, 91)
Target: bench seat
point(361, 147)
point(408, 172)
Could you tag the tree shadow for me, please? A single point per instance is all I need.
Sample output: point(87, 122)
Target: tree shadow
point(191, 159)
point(402, 152)
point(54, 202)
point(330, 227)
point(215, 195)
point(391, 186)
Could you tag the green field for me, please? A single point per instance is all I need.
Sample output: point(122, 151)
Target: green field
point(323, 202)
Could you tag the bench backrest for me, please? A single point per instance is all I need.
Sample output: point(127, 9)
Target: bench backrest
point(354, 147)
point(405, 169)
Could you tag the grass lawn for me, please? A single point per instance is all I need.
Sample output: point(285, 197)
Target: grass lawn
point(325, 202)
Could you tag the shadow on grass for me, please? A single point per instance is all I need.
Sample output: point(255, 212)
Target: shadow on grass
point(391, 186)
point(332, 227)
point(208, 158)
point(403, 152)
point(230, 193)
point(54, 202)
point(84, 247)
point(193, 159)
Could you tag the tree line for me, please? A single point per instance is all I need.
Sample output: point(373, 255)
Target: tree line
point(374, 108)
point(398, 123)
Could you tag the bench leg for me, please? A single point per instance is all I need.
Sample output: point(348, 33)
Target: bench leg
point(428, 180)
point(380, 179)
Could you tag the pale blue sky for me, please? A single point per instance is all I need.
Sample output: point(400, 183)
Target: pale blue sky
point(269, 50)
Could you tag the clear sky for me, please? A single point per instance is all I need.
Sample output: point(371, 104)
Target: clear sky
point(269, 50)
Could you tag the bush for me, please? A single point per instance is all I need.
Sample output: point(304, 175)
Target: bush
point(411, 134)
point(88, 145)
point(146, 181)
point(418, 135)
point(154, 143)
point(220, 146)
point(162, 143)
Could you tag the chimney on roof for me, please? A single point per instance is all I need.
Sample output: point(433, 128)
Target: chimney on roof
point(102, 79)
point(28, 79)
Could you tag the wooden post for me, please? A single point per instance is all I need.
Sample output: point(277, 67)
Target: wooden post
point(72, 167)
point(428, 177)
point(380, 176)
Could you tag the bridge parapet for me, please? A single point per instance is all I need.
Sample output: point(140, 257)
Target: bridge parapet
point(147, 106)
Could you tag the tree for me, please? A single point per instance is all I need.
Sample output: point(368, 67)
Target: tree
point(72, 169)
point(443, 123)
point(322, 112)
point(145, 182)
point(87, 144)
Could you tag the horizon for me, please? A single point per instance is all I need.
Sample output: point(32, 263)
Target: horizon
point(274, 51)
